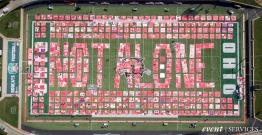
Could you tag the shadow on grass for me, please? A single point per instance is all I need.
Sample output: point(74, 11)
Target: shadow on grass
point(193, 11)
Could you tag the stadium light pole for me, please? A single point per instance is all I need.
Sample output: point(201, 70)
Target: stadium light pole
point(238, 67)
point(252, 67)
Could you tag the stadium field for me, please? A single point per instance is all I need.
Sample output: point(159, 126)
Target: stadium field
point(98, 65)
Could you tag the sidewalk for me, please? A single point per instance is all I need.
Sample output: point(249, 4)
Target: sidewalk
point(21, 69)
point(4, 65)
point(12, 130)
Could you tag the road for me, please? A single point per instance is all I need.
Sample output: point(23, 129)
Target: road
point(12, 130)
point(13, 4)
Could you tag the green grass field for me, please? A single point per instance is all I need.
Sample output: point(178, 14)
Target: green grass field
point(258, 66)
point(2, 132)
point(9, 110)
point(10, 24)
point(212, 57)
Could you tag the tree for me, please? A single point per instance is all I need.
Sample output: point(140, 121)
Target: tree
point(2, 132)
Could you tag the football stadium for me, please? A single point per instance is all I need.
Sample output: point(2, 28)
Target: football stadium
point(133, 64)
